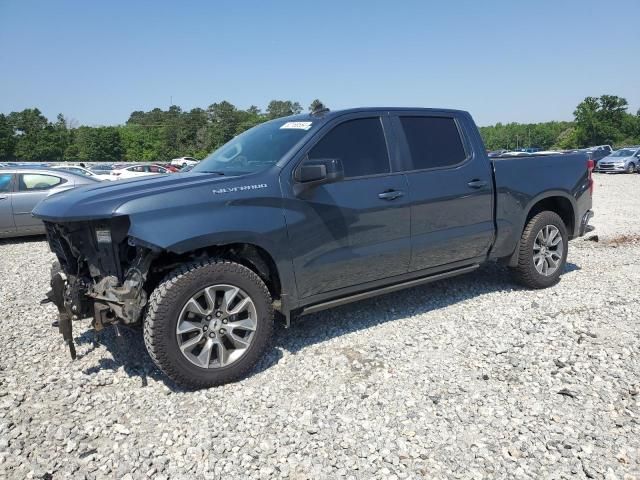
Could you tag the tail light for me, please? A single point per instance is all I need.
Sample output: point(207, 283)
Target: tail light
point(590, 166)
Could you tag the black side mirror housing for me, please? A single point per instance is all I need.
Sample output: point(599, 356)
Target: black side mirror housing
point(313, 171)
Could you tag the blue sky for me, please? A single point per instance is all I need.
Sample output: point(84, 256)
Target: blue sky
point(502, 60)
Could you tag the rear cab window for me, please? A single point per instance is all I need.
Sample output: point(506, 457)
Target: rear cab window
point(360, 144)
point(433, 141)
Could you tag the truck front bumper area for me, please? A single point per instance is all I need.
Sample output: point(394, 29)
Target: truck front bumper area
point(108, 301)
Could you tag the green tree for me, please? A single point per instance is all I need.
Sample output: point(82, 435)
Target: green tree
point(316, 105)
point(600, 120)
point(7, 139)
point(99, 144)
point(223, 123)
point(36, 139)
point(282, 108)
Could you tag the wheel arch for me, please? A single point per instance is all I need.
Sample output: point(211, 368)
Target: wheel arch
point(555, 201)
point(560, 204)
point(253, 256)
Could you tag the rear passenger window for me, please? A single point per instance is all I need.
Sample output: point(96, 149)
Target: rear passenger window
point(29, 182)
point(433, 141)
point(359, 144)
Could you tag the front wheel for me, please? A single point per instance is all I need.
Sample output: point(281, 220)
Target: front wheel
point(631, 168)
point(542, 251)
point(208, 323)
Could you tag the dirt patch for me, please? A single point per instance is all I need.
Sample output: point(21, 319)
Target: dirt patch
point(362, 363)
point(621, 240)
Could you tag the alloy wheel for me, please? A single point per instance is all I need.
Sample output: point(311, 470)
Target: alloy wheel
point(548, 249)
point(216, 326)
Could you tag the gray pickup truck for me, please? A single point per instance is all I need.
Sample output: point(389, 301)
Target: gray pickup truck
point(301, 214)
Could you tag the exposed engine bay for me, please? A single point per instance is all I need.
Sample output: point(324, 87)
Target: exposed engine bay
point(101, 274)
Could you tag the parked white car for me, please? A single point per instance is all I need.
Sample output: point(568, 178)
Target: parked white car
point(184, 161)
point(82, 171)
point(140, 170)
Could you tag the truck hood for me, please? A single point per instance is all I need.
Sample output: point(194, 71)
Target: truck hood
point(103, 199)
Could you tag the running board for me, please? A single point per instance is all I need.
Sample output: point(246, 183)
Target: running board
point(388, 289)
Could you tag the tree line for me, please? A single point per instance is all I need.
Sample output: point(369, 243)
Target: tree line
point(160, 135)
point(600, 120)
point(156, 135)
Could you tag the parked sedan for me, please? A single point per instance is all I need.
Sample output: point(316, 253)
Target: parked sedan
point(21, 188)
point(184, 161)
point(623, 160)
point(83, 171)
point(141, 170)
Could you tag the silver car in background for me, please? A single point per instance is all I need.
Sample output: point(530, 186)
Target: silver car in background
point(623, 160)
point(21, 188)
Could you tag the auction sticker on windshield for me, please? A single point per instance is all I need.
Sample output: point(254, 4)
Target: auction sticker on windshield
point(297, 125)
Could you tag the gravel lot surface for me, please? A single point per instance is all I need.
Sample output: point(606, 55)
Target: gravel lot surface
point(467, 378)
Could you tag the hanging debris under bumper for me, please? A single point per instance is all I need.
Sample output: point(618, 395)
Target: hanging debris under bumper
point(97, 287)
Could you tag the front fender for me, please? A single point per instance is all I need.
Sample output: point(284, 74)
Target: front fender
point(258, 221)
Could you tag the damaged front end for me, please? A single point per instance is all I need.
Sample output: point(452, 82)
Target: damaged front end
point(102, 274)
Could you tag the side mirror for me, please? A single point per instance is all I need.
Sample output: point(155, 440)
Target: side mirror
point(314, 171)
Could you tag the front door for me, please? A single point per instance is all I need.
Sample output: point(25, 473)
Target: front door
point(356, 230)
point(31, 188)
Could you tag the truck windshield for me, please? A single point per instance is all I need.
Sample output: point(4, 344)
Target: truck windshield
point(256, 149)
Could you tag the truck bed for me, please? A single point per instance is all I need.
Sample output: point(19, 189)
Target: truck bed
point(520, 182)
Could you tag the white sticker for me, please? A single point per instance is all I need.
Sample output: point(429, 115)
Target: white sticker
point(297, 125)
point(103, 236)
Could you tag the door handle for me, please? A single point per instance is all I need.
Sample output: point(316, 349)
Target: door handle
point(477, 183)
point(390, 195)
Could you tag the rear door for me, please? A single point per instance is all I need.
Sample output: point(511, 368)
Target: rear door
point(31, 188)
point(7, 225)
point(451, 191)
point(356, 230)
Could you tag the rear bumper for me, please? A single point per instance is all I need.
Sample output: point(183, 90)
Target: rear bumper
point(584, 223)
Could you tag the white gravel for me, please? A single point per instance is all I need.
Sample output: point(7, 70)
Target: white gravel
point(467, 378)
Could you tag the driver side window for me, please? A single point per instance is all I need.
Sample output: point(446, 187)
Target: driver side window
point(359, 144)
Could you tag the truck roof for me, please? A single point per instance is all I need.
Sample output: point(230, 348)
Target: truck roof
point(329, 114)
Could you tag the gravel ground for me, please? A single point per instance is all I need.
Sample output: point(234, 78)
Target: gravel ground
point(467, 378)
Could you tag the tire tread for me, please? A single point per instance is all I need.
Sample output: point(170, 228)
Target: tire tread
point(525, 273)
point(167, 293)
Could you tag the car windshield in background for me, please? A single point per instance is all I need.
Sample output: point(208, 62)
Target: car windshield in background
point(101, 168)
point(255, 149)
point(623, 153)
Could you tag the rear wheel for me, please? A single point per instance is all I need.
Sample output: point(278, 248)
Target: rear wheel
point(208, 323)
point(542, 251)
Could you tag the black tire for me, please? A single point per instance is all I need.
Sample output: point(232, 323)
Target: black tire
point(631, 168)
point(166, 303)
point(525, 272)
